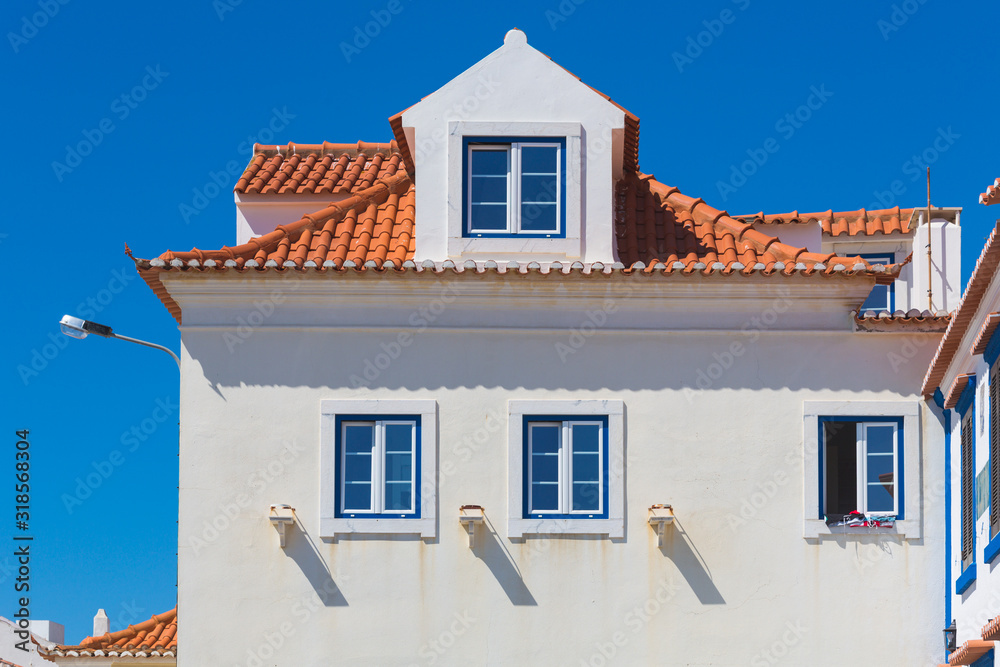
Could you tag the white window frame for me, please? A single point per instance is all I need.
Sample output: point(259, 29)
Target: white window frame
point(909, 412)
point(370, 523)
point(493, 247)
point(565, 466)
point(378, 467)
point(517, 525)
point(861, 466)
point(513, 151)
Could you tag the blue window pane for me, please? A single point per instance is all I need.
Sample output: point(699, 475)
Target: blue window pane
point(357, 468)
point(398, 497)
point(539, 159)
point(358, 497)
point(544, 497)
point(586, 467)
point(398, 467)
point(539, 218)
point(878, 299)
point(399, 437)
point(359, 438)
point(545, 438)
point(544, 467)
point(539, 189)
point(489, 217)
point(489, 189)
point(586, 497)
point(493, 162)
point(880, 468)
point(880, 439)
point(586, 437)
point(880, 497)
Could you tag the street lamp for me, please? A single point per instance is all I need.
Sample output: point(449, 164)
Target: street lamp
point(75, 327)
point(950, 637)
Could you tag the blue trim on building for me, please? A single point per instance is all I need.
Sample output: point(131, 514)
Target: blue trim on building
point(899, 457)
point(890, 289)
point(985, 661)
point(967, 397)
point(965, 579)
point(526, 481)
point(939, 399)
point(561, 234)
point(992, 349)
point(416, 463)
point(992, 549)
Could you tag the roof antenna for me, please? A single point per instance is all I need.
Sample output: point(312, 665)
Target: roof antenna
point(930, 267)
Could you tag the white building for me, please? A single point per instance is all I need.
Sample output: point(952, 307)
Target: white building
point(964, 383)
point(436, 398)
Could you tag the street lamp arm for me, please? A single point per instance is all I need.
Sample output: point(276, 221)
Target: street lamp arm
point(147, 344)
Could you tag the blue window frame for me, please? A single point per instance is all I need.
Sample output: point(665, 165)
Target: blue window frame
point(985, 661)
point(565, 467)
point(378, 466)
point(514, 186)
point(861, 466)
point(882, 297)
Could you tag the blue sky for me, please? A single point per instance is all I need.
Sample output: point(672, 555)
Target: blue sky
point(163, 96)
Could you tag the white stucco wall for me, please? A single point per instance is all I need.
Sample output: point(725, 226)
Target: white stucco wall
point(713, 379)
point(516, 91)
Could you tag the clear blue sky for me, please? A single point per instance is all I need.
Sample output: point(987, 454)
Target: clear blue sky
point(890, 88)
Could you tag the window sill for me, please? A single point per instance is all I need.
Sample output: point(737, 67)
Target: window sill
point(613, 528)
point(966, 579)
point(992, 549)
point(817, 528)
point(370, 526)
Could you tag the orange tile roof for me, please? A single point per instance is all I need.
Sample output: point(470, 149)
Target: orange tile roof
point(852, 223)
point(991, 631)
point(153, 638)
point(659, 231)
point(318, 168)
point(955, 391)
point(969, 652)
point(655, 223)
point(986, 333)
point(912, 320)
point(992, 194)
point(963, 316)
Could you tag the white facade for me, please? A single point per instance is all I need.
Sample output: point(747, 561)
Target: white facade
point(711, 386)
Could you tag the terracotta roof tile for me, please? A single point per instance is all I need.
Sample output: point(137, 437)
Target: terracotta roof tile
point(969, 652)
point(852, 223)
point(912, 320)
point(986, 333)
point(659, 231)
point(992, 194)
point(318, 168)
point(975, 291)
point(153, 638)
point(991, 631)
point(955, 391)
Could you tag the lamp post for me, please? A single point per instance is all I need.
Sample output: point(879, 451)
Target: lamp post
point(74, 327)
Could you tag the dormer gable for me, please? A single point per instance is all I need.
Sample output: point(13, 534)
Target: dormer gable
point(516, 159)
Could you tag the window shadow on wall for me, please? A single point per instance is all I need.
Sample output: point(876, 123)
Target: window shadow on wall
point(490, 548)
point(300, 547)
point(678, 547)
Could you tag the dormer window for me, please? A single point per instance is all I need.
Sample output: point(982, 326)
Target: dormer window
point(514, 187)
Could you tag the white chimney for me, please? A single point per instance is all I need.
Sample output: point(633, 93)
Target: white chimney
point(49, 631)
point(101, 623)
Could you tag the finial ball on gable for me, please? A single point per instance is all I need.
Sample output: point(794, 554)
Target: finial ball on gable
point(515, 36)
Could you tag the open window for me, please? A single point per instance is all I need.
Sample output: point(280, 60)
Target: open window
point(862, 469)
